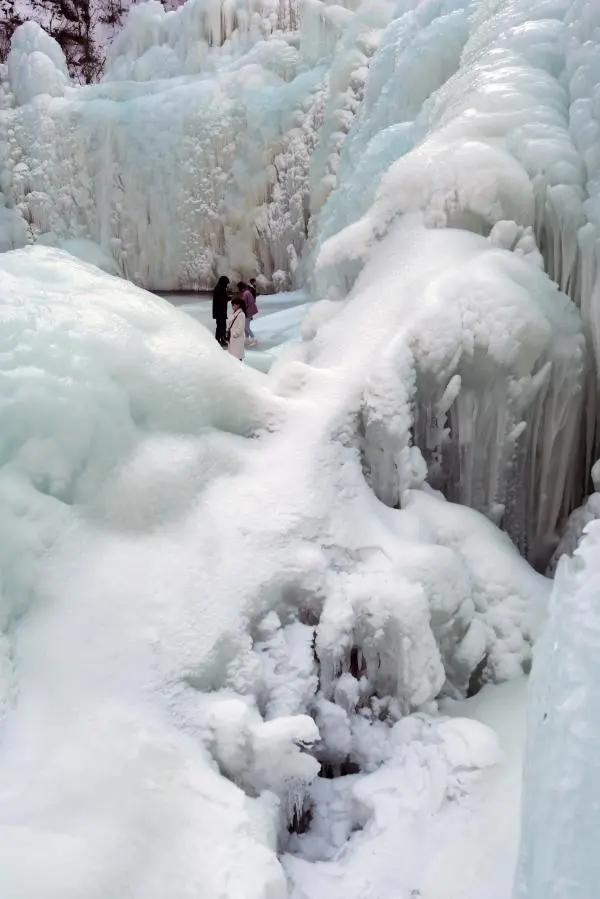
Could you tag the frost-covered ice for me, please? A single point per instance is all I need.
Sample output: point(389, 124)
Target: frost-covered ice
point(175, 524)
point(560, 809)
point(215, 581)
point(437, 820)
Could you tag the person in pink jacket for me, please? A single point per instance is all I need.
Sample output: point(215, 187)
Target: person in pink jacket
point(236, 328)
point(251, 310)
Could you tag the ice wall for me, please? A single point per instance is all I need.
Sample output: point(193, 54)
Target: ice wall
point(560, 814)
point(278, 121)
point(495, 151)
point(191, 157)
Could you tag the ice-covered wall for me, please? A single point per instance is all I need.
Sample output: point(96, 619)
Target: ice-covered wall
point(560, 813)
point(191, 157)
point(272, 113)
point(504, 148)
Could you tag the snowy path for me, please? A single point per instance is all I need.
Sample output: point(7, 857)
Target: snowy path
point(278, 322)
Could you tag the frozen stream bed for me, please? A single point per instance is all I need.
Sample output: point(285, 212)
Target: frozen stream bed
point(277, 324)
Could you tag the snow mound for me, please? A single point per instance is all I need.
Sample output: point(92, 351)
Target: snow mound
point(90, 252)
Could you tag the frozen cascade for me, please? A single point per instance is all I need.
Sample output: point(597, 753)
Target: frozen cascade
point(140, 460)
point(213, 580)
point(249, 136)
point(558, 814)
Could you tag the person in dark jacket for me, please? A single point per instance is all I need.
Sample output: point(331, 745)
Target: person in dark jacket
point(219, 309)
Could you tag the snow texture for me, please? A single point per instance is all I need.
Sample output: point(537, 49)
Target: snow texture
point(438, 819)
point(262, 137)
point(215, 582)
point(203, 601)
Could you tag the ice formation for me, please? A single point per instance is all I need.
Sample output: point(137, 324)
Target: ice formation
point(215, 583)
point(197, 576)
point(290, 140)
point(577, 522)
point(560, 776)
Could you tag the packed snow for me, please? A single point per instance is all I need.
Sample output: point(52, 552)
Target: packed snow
point(264, 628)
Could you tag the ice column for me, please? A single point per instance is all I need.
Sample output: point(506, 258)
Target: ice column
point(561, 810)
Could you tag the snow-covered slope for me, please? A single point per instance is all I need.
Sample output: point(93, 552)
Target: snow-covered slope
point(195, 568)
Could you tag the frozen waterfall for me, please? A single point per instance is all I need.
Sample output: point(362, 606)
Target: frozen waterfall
point(265, 137)
point(241, 613)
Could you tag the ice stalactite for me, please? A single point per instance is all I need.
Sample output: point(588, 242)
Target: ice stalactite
point(196, 204)
point(488, 417)
point(409, 58)
point(491, 152)
point(345, 85)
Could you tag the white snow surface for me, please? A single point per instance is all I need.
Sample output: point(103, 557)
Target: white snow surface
point(437, 820)
point(182, 539)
